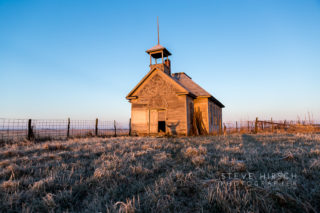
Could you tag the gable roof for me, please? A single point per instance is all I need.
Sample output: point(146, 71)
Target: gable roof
point(193, 87)
point(183, 81)
point(185, 90)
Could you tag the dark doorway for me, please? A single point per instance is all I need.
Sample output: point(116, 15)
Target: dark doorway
point(161, 126)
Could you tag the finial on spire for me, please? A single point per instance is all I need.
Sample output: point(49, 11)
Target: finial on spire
point(158, 29)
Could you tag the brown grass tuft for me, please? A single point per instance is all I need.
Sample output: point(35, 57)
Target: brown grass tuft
point(181, 174)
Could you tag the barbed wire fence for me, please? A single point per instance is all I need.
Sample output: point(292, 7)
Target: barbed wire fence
point(42, 129)
point(272, 126)
point(14, 130)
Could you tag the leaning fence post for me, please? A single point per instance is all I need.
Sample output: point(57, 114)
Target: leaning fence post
point(115, 128)
point(30, 130)
point(271, 125)
point(256, 126)
point(68, 128)
point(96, 129)
point(224, 129)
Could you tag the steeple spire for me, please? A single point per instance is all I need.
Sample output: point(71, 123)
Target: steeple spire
point(158, 30)
point(160, 52)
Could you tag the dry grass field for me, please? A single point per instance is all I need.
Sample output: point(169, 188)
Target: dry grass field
point(233, 173)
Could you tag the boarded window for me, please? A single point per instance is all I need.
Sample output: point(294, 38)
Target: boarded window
point(153, 121)
point(161, 115)
point(139, 116)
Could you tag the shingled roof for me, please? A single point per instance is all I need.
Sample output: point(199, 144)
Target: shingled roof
point(156, 48)
point(185, 81)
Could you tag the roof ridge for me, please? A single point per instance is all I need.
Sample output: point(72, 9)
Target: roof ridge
point(182, 73)
point(193, 87)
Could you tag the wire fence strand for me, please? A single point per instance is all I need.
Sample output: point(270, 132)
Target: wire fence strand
point(42, 129)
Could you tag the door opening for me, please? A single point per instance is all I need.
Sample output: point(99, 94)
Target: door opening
point(161, 121)
point(161, 126)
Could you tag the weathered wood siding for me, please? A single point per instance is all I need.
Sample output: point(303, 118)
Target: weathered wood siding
point(190, 111)
point(220, 116)
point(158, 93)
point(202, 104)
point(211, 116)
point(139, 117)
point(176, 115)
point(215, 117)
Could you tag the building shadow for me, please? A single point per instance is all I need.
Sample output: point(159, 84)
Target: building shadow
point(173, 127)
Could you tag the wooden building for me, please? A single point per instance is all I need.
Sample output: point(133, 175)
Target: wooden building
point(165, 103)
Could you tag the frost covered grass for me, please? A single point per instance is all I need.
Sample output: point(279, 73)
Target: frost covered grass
point(186, 174)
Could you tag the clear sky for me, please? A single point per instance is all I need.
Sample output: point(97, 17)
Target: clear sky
point(79, 59)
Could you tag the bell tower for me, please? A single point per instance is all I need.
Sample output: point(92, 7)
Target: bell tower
point(160, 52)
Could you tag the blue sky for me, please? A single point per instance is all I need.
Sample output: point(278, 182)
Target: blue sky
point(79, 59)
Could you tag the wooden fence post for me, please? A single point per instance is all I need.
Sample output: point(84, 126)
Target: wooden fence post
point(248, 126)
point(68, 128)
point(271, 125)
point(224, 129)
point(115, 128)
point(285, 125)
point(30, 130)
point(236, 126)
point(96, 129)
point(256, 126)
point(220, 128)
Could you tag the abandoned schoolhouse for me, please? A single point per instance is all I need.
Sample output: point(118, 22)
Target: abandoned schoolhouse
point(171, 103)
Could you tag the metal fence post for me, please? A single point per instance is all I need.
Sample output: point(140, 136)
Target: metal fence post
point(96, 130)
point(115, 128)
